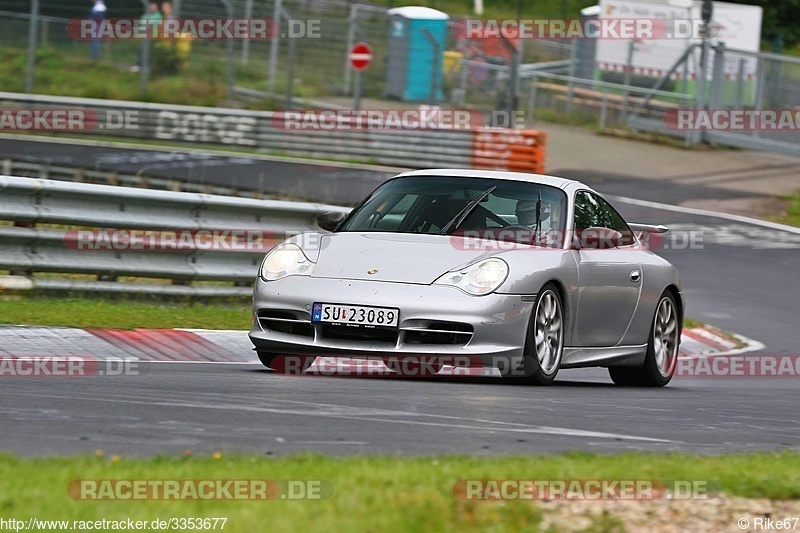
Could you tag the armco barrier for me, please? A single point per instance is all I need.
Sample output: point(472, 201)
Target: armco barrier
point(26, 249)
point(236, 128)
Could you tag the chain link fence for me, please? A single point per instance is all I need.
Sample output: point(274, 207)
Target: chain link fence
point(304, 63)
point(307, 58)
point(761, 82)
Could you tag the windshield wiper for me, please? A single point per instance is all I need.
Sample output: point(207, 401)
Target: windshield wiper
point(462, 215)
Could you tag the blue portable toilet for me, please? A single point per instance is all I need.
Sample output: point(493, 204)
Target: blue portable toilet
point(416, 48)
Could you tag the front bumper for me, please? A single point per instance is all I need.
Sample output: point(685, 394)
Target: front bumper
point(487, 327)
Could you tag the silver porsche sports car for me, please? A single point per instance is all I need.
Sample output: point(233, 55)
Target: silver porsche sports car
point(525, 273)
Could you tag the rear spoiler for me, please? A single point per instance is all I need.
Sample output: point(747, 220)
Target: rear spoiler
point(643, 232)
point(648, 228)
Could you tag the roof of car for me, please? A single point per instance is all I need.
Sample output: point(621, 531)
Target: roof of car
point(553, 181)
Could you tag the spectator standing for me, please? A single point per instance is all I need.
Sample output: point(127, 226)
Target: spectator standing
point(166, 9)
point(152, 18)
point(98, 13)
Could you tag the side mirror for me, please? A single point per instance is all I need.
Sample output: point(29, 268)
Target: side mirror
point(330, 221)
point(596, 238)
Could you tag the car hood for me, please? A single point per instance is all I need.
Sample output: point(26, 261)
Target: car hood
point(396, 257)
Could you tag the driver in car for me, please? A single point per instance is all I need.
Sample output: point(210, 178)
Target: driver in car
point(526, 216)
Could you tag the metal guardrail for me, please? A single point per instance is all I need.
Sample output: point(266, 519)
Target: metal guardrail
point(143, 180)
point(268, 131)
point(26, 249)
point(257, 130)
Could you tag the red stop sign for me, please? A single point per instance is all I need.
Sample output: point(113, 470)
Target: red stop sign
point(360, 56)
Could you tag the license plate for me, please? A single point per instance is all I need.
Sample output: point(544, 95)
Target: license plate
point(355, 315)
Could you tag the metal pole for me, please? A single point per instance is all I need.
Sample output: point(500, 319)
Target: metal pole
point(517, 59)
point(33, 25)
point(464, 72)
point(701, 84)
point(628, 67)
point(603, 110)
point(689, 46)
point(273, 50)
point(290, 74)
point(144, 73)
point(351, 36)
point(248, 13)
point(740, 82)
point(512, 101)
point(573, 59)
point(759, 97)
point(357, 92)
point(513, 77)
point(145, 68)
point(760, 75)
point(229, 8)
point(532, 96)
point(706, 13)
point(718, 76)
point(230, 69)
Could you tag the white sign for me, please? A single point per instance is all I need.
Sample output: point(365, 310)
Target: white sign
point(738, 26)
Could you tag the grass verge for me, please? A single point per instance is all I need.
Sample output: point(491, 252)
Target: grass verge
point(232, 313)
point(792, 214)
point(370, 493)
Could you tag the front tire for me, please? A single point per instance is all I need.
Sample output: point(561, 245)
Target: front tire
point(662, 350)
point(286, 364)
point(544, 343)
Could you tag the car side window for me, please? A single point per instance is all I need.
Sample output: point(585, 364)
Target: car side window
point(585, 211)
point(593, 211)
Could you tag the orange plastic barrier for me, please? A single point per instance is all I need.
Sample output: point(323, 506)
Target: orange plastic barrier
point(506, 149)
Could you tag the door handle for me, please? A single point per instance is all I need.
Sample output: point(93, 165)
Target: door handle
point(635, 276)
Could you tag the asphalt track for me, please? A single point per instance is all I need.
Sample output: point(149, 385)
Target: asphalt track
point(738, 275)
point(320, 182)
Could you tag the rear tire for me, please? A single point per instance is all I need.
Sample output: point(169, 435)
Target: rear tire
point(286, 364)
point(662, 350)
point(544, 343)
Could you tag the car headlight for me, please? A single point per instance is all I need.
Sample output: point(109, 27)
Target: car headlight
point(285, 260)
point(478, 279)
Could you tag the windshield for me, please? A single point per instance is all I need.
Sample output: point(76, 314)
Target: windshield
point(524, 212)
